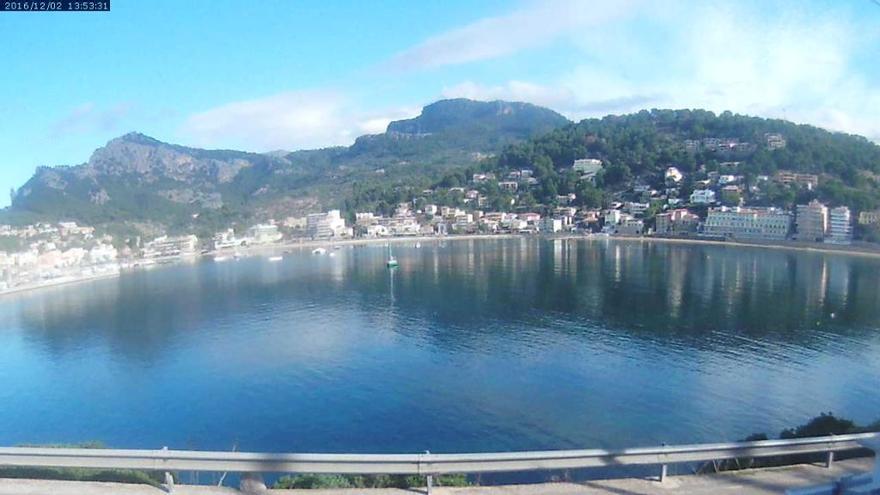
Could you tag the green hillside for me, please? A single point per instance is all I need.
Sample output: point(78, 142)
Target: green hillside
point(639, 147)
point(149, 185)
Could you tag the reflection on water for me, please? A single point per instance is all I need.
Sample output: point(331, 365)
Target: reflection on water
point(468, 345)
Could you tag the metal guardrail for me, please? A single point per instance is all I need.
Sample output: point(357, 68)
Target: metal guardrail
point(419, 464)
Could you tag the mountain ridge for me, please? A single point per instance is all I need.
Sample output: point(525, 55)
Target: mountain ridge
point(137, 177)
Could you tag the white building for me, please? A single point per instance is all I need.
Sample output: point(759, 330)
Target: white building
point(364, 219)
point(724, 180)
point(165, 246)
point(508, 185)
point(551, 225)
point(673, 175)
point(325, 225)
point(376, 231)
point(587, 167)
point(102, 253)
point(631, 226)
point(636, 208)
point(839, 226)
point(404, 226)
point(775, 141)
point(748, 223)
point(225, 240)
point(295, 223)
point(478, 178)
point(811, 222)
point(612, 217)
point(263, 234)
point(703, 197)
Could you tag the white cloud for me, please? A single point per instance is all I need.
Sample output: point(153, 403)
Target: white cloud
point(290, 120)
point(577, 95)
point(786, 63)
point(553, 97)
point(770, 59)
point(534, 25)
point(377, 123)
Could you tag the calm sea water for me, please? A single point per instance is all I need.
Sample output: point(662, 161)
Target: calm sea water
point(468, 346)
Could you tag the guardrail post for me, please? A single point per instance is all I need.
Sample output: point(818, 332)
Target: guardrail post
point(169, 479)
point(429, 479)
point(663, 470)
point(829, 459)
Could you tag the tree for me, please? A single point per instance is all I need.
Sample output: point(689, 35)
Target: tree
point(616, 174)
point(589, 196)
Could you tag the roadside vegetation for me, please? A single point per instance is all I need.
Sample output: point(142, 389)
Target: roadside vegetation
point(823, 425)
point(366, 481)
point(131, 476)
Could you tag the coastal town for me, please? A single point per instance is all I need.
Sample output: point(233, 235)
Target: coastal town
point(712, 207)
point(534, 247)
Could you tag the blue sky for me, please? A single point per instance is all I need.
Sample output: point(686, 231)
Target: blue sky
point(300, 74)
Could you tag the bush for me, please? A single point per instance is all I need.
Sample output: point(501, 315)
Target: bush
point(152, 478)
point(80, 474)
point(310, 481)
point(822, 425)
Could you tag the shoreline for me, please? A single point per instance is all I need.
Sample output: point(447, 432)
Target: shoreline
point(60, 281)
point(846, 250)
point(306, 244)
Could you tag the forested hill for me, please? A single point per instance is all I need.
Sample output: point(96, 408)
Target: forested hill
point(644, 142)
point(637, 148)
point(139, 181)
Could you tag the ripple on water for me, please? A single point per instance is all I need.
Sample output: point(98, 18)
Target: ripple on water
point(498, 345)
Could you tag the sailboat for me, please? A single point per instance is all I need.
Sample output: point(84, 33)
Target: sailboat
point(392, 261)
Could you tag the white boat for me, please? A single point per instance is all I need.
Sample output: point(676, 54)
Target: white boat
point(392, 261)
point(319, 250)
point(331, 255)
point(221, 258)
point(276, 258)
point(418, 245)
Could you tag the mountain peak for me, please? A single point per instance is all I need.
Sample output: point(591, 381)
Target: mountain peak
point(134, 169)
point(462, 113)
point(135, 137)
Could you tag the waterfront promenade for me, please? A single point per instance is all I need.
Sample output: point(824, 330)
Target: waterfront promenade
point(753, 481)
